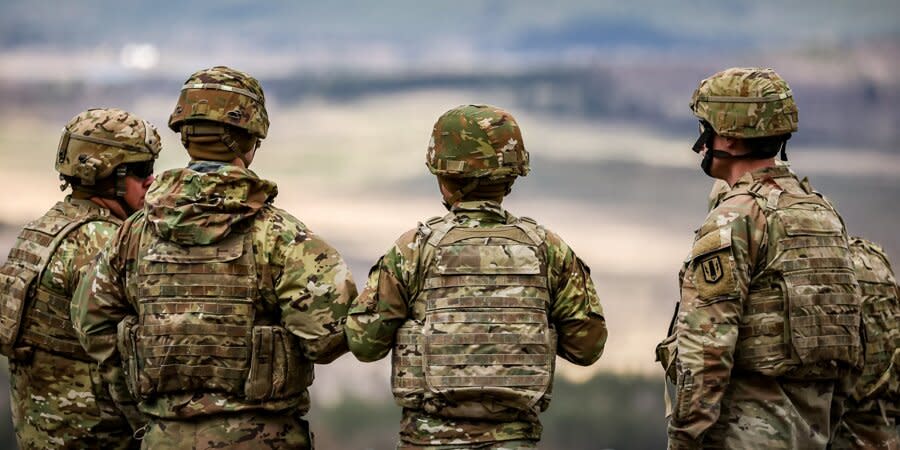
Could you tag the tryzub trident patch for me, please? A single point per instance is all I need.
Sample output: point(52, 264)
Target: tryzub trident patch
point(712, 269)
point(713, 265)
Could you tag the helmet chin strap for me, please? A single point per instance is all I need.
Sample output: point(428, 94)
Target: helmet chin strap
point(458, 195)
point(706, 141)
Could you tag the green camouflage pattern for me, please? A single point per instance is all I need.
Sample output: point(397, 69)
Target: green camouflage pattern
point(870, 419)
point(303, 284)
point(484, 348)
point(746, 103)
point(59, 401)
point(717, 403)
point(200, 207)
point(473, 141)
point(116, 137)
point(242, 431)
point(391, 298)
point(224, 95)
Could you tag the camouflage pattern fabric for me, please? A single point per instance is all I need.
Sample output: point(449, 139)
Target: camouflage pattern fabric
point(241, 431)
point(871, 417)
point(97, 141)
point(474, 141)
point(717, 404)
point(505, 445)
point(303, 284)
point(58, 401)
point(390, 299)
point(746, 103)
point(223, 95)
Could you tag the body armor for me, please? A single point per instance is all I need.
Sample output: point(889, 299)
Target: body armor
point(479, 344)
point(802, 314)
point(881, 310)
point(201, 328)
point(32, 314)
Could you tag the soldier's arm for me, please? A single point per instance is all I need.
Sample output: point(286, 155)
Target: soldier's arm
point(83, 246)
point(313, 286)
point(575, 307)
point(382, 306)
point(713, 290)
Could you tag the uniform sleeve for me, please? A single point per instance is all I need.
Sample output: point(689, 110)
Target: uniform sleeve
point(575, 308)
point(382, 306)
point(313, 287)
point(714, 287)
point(83, 246)
point(97, 307)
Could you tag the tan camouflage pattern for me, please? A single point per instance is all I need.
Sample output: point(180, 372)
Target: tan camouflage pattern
point(59, 401)
point(303, 284)
point(392, 297)
point(133, 140)
point(746, 103)
point(472, 141)
point(871, 417)
point(224, 95)
point(484, 348)
point(719, 404)
point(253, 430)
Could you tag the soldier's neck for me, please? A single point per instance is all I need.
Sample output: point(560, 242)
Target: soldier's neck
point(737, 168)
point(114, 206)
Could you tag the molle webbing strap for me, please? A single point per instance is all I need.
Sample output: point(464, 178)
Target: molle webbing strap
point(487, 380)
point(433, 304)
point(217, 351)
point(222, 87)
point(484, 339)
point(200, 290)
point(70, 348)
point(735, 99)
point(216, 308)
point(175, 370)
point(484, 280)
point(799, 242)
point(207, 329)
point(201, 269)
point(468, 359)
point(25, 256)
point(489, 317)
point(765, 351)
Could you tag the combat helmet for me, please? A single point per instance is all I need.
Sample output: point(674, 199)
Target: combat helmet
point(212, 100)
point(102, 142)
point(746, 103)
point(477, 141)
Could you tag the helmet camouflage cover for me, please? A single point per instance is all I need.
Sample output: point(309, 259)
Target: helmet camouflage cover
point(746, 103)
point(225, 95)
point(97, 141)
point(474, 141)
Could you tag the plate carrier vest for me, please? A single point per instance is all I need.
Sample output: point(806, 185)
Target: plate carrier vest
point(200, 327)
point(31, 314)
point(881, 315)
point(479, 344)
point(803, 311)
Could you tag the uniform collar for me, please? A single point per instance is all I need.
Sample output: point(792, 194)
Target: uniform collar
point(482, 210)
point(781, 170)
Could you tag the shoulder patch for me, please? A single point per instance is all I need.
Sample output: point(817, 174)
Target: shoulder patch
point(713, 265)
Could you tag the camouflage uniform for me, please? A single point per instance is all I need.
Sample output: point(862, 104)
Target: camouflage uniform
point(57, 395)
point(459, 298)
point(870, 420)
point(213, 304)
point(765, 342)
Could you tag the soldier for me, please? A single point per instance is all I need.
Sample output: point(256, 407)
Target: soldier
point(766, 337)
point(870, 420)
point(215, 302)
point(57, 397)
point(476, 304)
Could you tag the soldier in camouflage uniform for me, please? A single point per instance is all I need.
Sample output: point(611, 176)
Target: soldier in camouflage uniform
point(766, 339)
point(476, 305)
point(212, 303)
point(58, 398)
point(870, 420)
